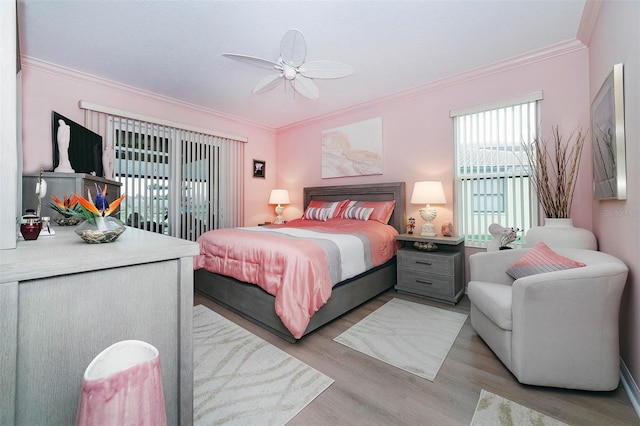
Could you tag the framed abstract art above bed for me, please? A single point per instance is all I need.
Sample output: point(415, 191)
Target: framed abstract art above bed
point(344, 243)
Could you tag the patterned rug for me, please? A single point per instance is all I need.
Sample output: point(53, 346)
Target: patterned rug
point(493, 410)
point(407, 335)
point(241, 379)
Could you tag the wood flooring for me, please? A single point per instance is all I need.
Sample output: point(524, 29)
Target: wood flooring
point(369, 392)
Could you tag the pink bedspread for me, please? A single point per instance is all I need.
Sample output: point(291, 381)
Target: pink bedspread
point(299, 262)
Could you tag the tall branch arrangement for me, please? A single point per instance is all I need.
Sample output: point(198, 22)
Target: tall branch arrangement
point(554, 169)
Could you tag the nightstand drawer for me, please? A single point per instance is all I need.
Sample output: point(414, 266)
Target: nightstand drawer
point(424, 284)
point(424, 262)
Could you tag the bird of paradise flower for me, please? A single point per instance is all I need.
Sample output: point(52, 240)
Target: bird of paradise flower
point(66, 208)
point(90, 210)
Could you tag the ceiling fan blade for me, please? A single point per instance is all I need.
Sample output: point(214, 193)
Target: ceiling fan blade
point(306, 87)
point(267, 83)
point(293, 49)
point(325, 69)
point(258, 62)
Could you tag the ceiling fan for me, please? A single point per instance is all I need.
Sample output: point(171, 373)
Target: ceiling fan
point(292, 68)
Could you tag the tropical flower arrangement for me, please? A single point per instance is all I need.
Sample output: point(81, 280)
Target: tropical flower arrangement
point(98, 225)
point(78, 208)
point(90, 210)
point(68, 208)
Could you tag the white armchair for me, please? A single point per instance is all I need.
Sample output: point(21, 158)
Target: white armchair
point(557, 328)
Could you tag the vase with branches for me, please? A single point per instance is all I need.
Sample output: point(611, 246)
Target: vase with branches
point(554, 167)
point(554, 170)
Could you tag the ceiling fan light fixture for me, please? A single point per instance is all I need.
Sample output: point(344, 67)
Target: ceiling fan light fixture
point(293, 52)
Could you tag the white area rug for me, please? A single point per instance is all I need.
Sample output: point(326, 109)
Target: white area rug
point(494, 410)
point(244, 380)
point(407, 335)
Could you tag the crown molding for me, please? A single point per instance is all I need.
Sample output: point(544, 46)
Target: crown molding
point(80, 77)
point(552, 51)
point(588, 21)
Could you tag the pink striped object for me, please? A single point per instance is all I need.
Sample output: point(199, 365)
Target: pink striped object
point(541, 259)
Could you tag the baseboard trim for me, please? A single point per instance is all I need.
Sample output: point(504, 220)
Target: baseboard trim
point(630, 386)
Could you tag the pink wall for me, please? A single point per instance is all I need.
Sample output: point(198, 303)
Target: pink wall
point(47, 87)
point(616, 39)
point(418, 132)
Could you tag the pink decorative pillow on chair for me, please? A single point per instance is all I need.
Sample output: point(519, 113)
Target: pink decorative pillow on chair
point(541, 259)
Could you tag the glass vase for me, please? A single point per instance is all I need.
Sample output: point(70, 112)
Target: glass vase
point(105, 230)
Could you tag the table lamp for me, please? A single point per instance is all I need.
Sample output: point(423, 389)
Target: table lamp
point(279, 196)
point(428, 192)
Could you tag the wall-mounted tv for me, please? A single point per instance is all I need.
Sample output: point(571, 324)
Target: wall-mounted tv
point(85, 146)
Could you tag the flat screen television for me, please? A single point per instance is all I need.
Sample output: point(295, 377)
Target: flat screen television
point(85, 146)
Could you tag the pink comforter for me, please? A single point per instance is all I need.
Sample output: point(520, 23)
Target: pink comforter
point(294, 269)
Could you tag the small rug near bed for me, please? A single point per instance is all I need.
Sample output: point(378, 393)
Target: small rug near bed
point(494, 410)
point(241, 379)
point(407, 335)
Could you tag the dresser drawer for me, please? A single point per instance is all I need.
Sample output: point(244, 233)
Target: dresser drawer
point(424, 284)
point(434, 263)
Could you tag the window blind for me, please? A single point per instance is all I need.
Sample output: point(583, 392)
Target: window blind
point(178, 181)
point(492, 170)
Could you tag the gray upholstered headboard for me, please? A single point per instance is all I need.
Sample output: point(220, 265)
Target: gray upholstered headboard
point(365, 192)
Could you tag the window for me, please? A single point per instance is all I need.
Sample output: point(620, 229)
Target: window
point(178, 182)
point(492, 169)
point(488, 195)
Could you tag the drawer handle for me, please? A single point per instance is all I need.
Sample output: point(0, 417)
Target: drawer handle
point(423, 262)
point(424, 282)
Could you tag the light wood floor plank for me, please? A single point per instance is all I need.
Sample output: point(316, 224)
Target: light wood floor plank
point(369, 392)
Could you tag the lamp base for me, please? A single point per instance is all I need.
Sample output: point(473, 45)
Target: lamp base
point(279, 219)
point(428, 230)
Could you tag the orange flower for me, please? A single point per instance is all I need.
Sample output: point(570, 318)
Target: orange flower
point(100, 207)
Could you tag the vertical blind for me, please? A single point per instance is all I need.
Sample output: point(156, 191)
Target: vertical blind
point(178, 181)
point(492, 169)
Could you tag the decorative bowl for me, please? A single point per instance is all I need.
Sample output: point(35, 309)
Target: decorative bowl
point(425, 246)
point(67, 221)
point(104, 230)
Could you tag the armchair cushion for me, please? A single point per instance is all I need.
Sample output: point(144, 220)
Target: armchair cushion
point(494, 300)
point(541, 259)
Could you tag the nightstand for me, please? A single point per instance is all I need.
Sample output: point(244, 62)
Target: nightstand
point(435, 274)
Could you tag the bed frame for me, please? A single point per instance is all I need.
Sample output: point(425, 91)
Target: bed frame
point(258, 306)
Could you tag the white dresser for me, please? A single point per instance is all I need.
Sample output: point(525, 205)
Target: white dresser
point(63, 301)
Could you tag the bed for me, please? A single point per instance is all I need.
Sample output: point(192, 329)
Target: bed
point(257, 305)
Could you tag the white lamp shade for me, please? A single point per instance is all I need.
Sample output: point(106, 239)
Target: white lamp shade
point(279, 196)
point(428, 192)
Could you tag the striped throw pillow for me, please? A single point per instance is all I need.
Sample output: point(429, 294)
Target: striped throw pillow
point(357, 212)
point(334, 208)
point(541, 259)
point(317, 213)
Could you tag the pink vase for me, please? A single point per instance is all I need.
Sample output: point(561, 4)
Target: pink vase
point(123, 386)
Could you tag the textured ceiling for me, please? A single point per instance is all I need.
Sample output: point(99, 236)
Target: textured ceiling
point(174, 48)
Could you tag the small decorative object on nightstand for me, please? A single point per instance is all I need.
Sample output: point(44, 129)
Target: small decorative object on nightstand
point(411, 226)
point(447, 229)
point(437, 274)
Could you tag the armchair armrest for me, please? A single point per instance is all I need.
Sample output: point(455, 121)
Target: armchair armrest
point(566, 322)
point(492, 266)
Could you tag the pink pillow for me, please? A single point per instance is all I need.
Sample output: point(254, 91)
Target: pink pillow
point(541, 259)
point(382, 210)
point(334, 208)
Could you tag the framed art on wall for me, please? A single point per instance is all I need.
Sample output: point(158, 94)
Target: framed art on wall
point(259, 167)
point(607, 133)
point(353, 150)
